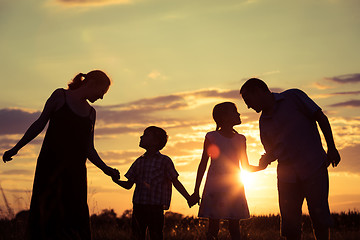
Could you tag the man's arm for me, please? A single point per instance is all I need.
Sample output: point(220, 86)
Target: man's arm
point(332, 153)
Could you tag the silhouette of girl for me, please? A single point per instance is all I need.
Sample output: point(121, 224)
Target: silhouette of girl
point(58, 208)
point(224, 195)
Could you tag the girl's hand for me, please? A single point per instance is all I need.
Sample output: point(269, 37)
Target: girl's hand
point(265, 160)
point(194, 198)
point(9, 154)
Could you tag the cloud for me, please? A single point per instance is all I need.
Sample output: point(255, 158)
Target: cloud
point(146, 110)
point(351, 103)
point(349, 160)
point(78, 3)
point(320, 86)
point(344, 79)
point(154, 74)
point(128, 117)
point(327, 95)
point(16, 120)
point(119, 157)
point(17, 172)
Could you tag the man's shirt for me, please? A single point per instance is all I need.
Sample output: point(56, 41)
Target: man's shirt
point(290, 133)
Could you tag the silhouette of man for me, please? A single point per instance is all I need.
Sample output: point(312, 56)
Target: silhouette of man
point(289, 134)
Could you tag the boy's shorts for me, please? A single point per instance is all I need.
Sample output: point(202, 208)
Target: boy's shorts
point(291, 196)
point(147, 216)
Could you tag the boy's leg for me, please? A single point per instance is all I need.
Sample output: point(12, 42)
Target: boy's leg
point(138, 223)
point(290, 202)
point(317, 192)
point(213, 229)
point(234, 229)
point(155, 220)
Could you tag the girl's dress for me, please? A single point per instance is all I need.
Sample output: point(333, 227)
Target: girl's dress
point(224, 194)
point(58, 208)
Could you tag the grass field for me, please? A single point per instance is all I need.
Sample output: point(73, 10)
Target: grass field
point(109, 226)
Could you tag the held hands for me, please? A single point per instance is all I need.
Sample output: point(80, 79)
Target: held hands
point(113, 173)
point(194, 199)
point(265, 160)
point(9, 154)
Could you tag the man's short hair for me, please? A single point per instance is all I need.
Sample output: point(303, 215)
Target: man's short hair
point(160, 135)
point(254, 83)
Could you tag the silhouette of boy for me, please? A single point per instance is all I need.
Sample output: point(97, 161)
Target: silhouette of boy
point(153, 174)
point(289, 133)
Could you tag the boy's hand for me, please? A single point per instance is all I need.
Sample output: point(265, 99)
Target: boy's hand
point(194, 199)
point(113, 173)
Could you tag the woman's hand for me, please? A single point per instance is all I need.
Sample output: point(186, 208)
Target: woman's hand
point(113, 173)
point(9, 154)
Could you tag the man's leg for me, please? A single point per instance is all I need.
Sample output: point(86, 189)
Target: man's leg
point(290, 202)
point(316, 192)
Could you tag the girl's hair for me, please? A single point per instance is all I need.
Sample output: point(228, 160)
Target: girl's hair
point(219, 111)
point(97, 76)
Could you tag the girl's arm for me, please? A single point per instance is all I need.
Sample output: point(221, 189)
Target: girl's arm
point(202, 166)
point(245, 162)
point(94, 157)
point(125, 184)
point(36, 128)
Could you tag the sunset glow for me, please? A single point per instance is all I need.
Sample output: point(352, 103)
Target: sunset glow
point(170, 62)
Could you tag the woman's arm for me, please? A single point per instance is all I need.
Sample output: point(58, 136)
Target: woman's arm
point(94, 157)
point(38, 126)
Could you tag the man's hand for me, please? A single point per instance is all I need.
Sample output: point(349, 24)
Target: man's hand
point(333, 156)
point(265, 160)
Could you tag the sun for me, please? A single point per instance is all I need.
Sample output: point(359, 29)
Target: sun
point(247, 178)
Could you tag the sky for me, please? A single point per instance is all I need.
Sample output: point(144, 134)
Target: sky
point(170, 62)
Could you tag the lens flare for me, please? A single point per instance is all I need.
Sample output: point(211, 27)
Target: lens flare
point(213, 151)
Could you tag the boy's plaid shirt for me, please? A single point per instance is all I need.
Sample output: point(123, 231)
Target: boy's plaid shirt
point(153, 178)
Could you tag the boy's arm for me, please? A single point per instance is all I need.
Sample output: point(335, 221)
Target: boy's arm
point(181, 189)
point(125, 184)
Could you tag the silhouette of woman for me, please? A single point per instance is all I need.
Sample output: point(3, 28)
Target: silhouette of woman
point(58, 208)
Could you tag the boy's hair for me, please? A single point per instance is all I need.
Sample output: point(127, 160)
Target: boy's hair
point(160, 135)
point(254, 83)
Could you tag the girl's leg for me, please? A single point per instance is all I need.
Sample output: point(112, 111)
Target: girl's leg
point(234, 229)
point(213, 229)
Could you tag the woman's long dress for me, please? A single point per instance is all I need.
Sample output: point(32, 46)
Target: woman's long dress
point(58, 208)
point(224, 195)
